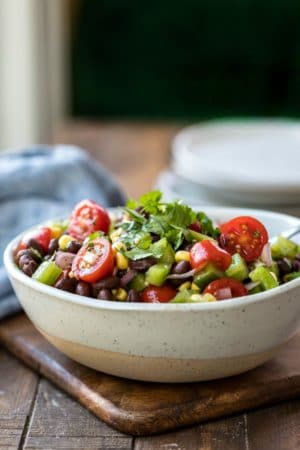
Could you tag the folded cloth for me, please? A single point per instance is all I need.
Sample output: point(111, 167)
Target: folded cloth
point(41, 183)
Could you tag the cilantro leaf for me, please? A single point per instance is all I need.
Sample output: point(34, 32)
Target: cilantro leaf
point(166, 220)
point(131, 203)
point(207, 225)
point(139, 253)
point(175, 237)
point(135, 215)
point(151, 201)
point(157, 225)
point(179, 215)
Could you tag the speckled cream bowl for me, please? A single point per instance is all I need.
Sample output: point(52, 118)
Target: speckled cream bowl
point(166, 342)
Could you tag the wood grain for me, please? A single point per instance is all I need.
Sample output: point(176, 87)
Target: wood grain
point(17, 392)
point(146, 408)
point(276, 428)
point(218, 435)
point(58, 422)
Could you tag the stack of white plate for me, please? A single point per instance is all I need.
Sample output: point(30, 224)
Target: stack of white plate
point(253, 163)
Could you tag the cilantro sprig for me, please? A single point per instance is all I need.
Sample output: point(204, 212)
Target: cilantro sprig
point(150, 215)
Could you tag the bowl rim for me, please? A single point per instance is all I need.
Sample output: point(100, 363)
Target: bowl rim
point(16, 273)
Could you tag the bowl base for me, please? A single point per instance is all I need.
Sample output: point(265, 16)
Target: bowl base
point(163, 370)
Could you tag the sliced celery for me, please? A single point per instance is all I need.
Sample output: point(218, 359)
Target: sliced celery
point(157, 274)
point(284, 248)
point(206, 275)
point(291, 276)
point(265, 277)
point(189, 296)
point(47, 273)
point(138, 283)
point(238, 268)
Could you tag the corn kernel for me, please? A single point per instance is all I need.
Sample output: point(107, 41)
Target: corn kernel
point(118, 245)
point(203, 298)
point(64, 241)
point(122, 261)
point(121, 294)
point(184, 286)
point(56, 231)
point(197, 298)
point(194, 287)
point(210, 298)
point(114, 235)
point(182, 255)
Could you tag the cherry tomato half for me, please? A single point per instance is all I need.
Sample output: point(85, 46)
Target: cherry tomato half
point(154, 294)
point(94, 261)
point(86, 218)
point(244, 235)
point(225, 288)
point(208, 251)
point(41, 235)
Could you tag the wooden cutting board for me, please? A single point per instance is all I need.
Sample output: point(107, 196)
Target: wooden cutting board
point(140, 408)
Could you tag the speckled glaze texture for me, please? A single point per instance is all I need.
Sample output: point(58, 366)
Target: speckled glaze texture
point(166, 342)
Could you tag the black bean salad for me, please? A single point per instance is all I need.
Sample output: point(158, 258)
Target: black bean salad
point(156, 252)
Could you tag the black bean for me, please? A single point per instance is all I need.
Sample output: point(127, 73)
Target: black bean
point(105, 294)
point(74, 246)
point(129, 276)
point(133, 296)
point(296, 265)
point(181, 267)
point(187, 247)
point(28, 265)
point(155, 237)
point(66, 284)
point(285, 266)
point(83, 288)
point(142, 264)
point(53, 246)
point(176, 283)
point(29, 253)
point(108, 283)
point(64, 259)
point(36, 246)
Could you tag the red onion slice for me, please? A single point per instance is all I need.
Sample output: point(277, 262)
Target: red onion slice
point(266, 255)
point(224, 293)
point(181, 276)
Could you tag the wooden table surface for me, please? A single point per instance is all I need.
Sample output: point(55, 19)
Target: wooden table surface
point(36, 415)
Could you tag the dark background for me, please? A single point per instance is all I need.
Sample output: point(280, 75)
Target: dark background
point(186, 59)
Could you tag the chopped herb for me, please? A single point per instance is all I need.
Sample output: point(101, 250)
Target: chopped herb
point(207, 225)
point(169, 220)
point(135, 215)
point(151, 202)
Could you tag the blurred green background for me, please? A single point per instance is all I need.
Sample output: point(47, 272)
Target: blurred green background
point(186, 59)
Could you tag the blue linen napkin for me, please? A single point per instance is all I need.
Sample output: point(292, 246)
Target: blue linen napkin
point(41, 183)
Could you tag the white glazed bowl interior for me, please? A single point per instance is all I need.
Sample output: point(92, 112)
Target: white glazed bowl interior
point(166, 342)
